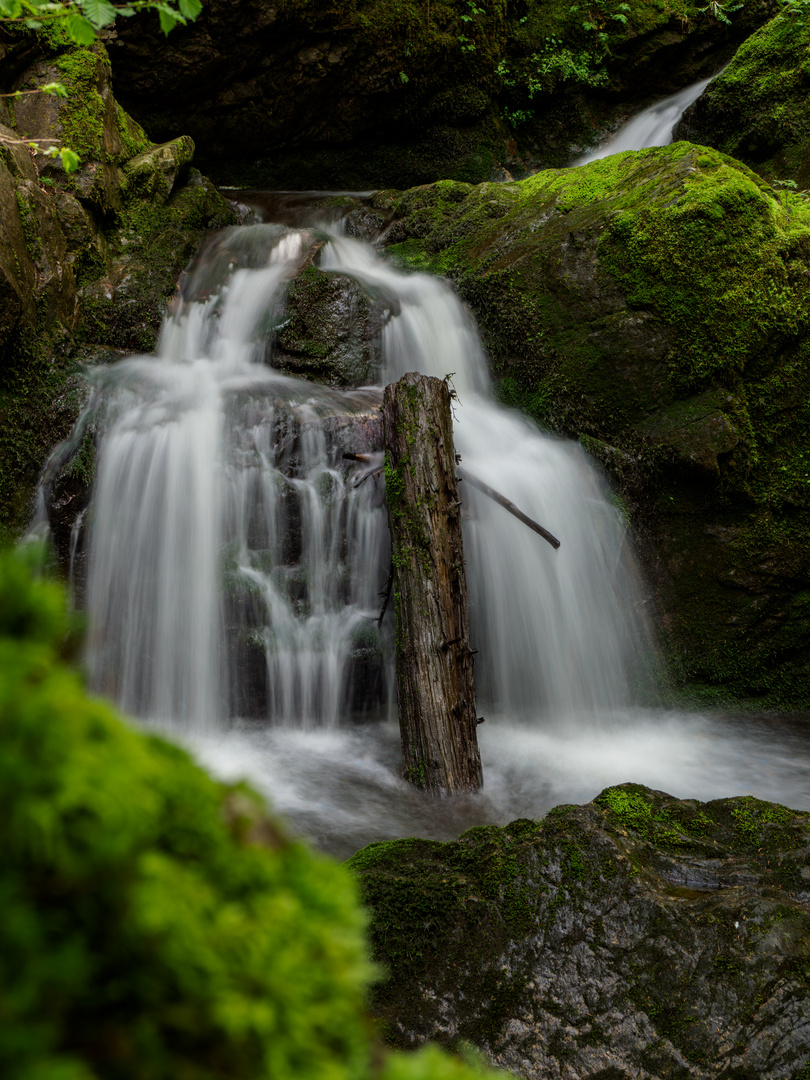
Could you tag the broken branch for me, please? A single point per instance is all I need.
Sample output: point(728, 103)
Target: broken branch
point(510, 506)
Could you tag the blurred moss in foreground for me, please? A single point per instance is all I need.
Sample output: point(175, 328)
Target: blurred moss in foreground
point(156, 924)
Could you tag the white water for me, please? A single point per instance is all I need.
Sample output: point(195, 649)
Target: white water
point(652, 127)
point(235, 569)
point(208, 454)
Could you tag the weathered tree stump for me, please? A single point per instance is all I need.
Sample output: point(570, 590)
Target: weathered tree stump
point(434, 661)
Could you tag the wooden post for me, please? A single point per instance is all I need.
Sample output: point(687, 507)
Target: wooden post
point(434, 661)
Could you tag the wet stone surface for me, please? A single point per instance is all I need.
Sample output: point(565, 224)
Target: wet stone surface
point(637, 936)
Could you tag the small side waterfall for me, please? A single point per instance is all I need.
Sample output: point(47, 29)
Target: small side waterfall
point(651, 127)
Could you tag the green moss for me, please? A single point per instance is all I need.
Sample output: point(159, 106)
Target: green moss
point(134, 139)
point(157, 923)
point(82, 114)
point(755, 109)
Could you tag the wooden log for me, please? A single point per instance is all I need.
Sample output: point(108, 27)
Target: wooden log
point(434, 662)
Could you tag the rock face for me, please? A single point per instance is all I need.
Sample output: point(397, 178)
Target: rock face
point(756, 109)
point(89, 260)
point(655, 305)
point(636, 937)
point(332, 331)
point(359, 94)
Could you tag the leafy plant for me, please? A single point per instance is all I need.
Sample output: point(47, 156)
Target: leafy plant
point(721, 11)
point(82, 18)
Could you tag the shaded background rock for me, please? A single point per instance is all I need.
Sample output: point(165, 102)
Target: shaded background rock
point(361, 94)
point(638, 936)
point(654, 304)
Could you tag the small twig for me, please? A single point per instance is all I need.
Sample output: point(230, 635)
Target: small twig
point(387, 593)
point(510, 506)
point(366, 475)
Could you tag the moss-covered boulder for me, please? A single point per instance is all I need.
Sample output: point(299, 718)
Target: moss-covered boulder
point(655, 305)
point(157, 924)
point(362, 93)
point(638, 936)
point(88, 259)
point(756, 109)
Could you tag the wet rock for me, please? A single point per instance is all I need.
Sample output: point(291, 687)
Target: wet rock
point(638, 936)
point(654, 305)
point(332, 331)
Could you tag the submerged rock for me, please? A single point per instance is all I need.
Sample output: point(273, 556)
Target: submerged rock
point(639, 937)
point(654, 304)
point(756, 109)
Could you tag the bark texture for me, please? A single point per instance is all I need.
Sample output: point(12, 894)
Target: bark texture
point(434, 661)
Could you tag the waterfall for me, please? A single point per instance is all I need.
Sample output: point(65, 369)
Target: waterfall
point(236, 561)
point(651, 127)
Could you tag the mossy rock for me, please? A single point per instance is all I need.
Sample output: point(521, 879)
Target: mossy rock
point(153, 173)
point(155, 922)
point(150, 246)
point(756, 108)
point(331, 331)
point(86, 260)
point(639, 935)
point(654, 305)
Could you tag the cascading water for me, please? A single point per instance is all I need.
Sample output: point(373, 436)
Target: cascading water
point(212, 464)
point(236, 560)
point(560, 634)
point(651, 127)
point(214, 469)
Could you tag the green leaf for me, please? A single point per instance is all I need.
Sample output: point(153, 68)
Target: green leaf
point(168, 19)
point(10, 9)
point(99, 12)
point(80, 30)
point(55, 88)
point(70, 159)
point(190, 8)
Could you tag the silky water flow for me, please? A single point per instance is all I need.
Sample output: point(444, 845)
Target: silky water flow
point(236, 561)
